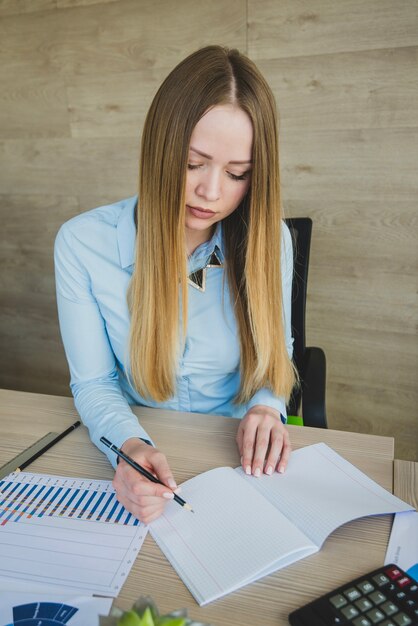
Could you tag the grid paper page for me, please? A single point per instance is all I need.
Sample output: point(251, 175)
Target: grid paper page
point(234, 537)
point(321, 491)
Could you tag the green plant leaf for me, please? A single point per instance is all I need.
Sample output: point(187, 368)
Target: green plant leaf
point(131, 618)
point(145, 602)
point(146, 619)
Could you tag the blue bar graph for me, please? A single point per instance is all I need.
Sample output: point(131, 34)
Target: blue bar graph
point(23, 497)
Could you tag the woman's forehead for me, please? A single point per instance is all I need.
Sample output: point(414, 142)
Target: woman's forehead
point(225, 129)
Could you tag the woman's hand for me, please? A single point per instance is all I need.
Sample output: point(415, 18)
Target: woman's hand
point(143, 498)
point(263, 441)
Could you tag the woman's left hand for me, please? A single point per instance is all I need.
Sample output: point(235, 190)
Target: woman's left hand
point(263, 441)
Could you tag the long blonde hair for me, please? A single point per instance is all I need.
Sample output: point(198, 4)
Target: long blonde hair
point(158, 291)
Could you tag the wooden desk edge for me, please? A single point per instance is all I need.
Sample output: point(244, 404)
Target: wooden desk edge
point(405, 481)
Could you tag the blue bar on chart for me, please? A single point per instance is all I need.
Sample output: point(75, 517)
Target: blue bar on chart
point(24, 495)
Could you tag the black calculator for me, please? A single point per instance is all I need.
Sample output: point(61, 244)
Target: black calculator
point(386, 596)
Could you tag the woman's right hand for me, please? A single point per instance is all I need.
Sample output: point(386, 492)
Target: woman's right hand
point(143, 498)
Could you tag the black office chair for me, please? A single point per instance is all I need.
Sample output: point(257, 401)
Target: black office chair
point(310, 362)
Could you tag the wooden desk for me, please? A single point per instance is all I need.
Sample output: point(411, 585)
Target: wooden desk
point(193, 444)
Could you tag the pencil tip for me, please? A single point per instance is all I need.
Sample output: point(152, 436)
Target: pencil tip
point(188, 507)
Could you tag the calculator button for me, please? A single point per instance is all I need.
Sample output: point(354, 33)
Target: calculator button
point(377, 597)
point(404, 581)
point(380, 580)
point(402, 620)
point(350, 611)
point(366, 586)
point(393, 572)
point(362, 621)
point(338, 601)
point(376, 616)
point(389, 608)
point(388, 622)
point(363, 604)
point(401, 595)
point(352, 594)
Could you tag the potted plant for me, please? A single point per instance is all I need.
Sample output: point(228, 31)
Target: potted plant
point(145, 613)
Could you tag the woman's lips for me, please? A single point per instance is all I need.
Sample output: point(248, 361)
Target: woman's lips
point(203, 214)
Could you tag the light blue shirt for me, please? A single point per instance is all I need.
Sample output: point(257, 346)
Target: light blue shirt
point(94, 261)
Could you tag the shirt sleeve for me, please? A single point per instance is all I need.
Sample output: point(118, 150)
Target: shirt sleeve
point(94, 376)
point(265, 396)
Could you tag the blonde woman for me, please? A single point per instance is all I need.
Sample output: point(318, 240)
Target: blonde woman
point(180, 298)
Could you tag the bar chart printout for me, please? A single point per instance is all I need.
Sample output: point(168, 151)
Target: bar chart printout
point(70, 532)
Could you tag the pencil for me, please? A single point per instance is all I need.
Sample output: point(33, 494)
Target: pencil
point(47, 446)
point(142, 470)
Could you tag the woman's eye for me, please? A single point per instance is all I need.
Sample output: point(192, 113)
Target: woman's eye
point(193, 166)
point(241, 177)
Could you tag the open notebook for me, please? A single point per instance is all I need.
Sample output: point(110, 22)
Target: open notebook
point(244, 528)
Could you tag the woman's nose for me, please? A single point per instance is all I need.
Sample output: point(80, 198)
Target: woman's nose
point(209, 187)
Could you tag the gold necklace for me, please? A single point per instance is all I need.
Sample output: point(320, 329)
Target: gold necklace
point(197, 279)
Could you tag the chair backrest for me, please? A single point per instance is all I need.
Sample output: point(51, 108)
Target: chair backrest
point(301, 231)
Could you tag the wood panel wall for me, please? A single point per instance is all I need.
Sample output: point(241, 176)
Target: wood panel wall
point(77, 78)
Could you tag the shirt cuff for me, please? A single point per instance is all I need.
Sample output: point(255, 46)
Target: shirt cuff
point(267, 398)
point(119, 436)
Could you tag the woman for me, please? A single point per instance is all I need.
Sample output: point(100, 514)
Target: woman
point(180, 299)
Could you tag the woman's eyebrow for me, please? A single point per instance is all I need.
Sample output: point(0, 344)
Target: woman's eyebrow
point(207, 156)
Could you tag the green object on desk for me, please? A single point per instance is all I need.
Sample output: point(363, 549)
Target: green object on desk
point(295, 420)
point(145, 613)
point(130, 618)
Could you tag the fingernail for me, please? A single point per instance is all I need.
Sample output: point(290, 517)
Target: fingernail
point(248, 470)
point(281, 470)
point(172, 484)
point(168, 495)
point(269, 470)
point(257, 472)
point(178, 490)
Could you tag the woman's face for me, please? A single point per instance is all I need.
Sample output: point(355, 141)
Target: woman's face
point(219, 170)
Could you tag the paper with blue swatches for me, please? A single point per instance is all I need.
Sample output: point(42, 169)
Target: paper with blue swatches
point(71, 533)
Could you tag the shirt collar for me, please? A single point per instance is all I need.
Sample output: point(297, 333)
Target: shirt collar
point(126, 235)
point(202, 254)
